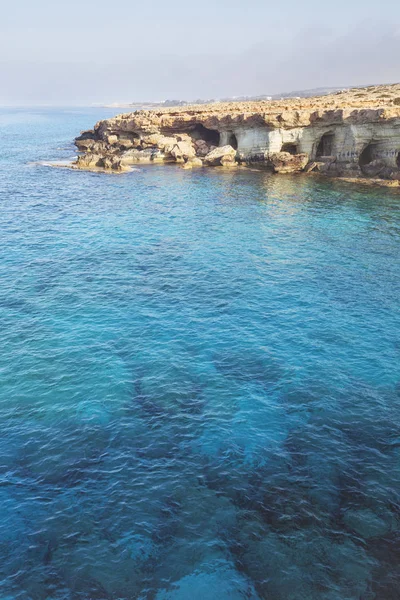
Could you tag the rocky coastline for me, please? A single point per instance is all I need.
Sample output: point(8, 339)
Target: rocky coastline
point(352, 134)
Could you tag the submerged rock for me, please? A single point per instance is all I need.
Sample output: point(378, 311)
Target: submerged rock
point(139, 547)
point(306, 566)
point(222, 582)
point(366, 523)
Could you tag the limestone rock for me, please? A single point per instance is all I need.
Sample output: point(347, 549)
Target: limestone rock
point(224, 155)
point(146, 156)
point(332, 168)
point(395, 175)
point(96, 161)
point(374, 168)
point(228, 161)
point(354, 106)
point(94, 146)
point(359, 129)
point(84, 145)
point(112, 163)
point(283, 162)
point(148, 141)
point(312, 166)
point(193, 162)
point(196, 162)
point(88, 161)
point(156, 140)
point(85, 139)
point(128, 140)
point(111, 139)
point(202, 148)
point(184, 137)
point(183, 150)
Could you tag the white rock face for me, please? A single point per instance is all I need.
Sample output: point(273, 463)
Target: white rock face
point(348, 142)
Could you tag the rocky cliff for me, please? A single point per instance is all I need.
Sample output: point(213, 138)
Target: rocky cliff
point(355, 133)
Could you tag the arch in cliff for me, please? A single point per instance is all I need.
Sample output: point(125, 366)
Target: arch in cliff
point(211, 136)
point(232, 141)
point(289, 147)
point(325, 145)
point(368, 154)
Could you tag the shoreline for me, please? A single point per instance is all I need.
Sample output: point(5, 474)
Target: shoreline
point(364, 181)
point(353, 134)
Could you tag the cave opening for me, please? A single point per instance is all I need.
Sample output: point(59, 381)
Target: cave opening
point(325, 145)
point(367, 155)
point(211, 136)
point(291, 148)
point(398, 160)
point(232, 141)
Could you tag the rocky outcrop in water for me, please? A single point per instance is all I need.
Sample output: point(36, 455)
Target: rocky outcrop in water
point(350, 134)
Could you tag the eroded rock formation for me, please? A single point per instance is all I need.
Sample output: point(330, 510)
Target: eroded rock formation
point(355, 133)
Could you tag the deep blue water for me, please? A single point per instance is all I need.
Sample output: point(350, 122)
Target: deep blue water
point(199, 380)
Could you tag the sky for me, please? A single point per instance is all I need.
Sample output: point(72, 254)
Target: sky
point(83, 52)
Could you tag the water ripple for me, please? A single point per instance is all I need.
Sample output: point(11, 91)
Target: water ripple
point(200, 382)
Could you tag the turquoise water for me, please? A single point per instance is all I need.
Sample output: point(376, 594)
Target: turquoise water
point(200, 380)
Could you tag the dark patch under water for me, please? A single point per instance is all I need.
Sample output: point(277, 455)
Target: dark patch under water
point(200, 376)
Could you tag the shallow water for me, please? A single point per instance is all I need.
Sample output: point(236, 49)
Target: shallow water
point(200, 380)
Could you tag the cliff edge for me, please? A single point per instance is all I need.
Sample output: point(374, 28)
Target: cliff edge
point(354, 133)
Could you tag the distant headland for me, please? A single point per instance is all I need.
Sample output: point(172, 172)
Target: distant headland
point(349, 133)
point(171, 103)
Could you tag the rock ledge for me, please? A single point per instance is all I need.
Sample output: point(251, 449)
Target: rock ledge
point(351, 134)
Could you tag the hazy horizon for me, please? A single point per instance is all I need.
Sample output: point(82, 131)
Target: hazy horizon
point(80, 55)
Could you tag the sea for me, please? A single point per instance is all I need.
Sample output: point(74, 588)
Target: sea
point(199, 379)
